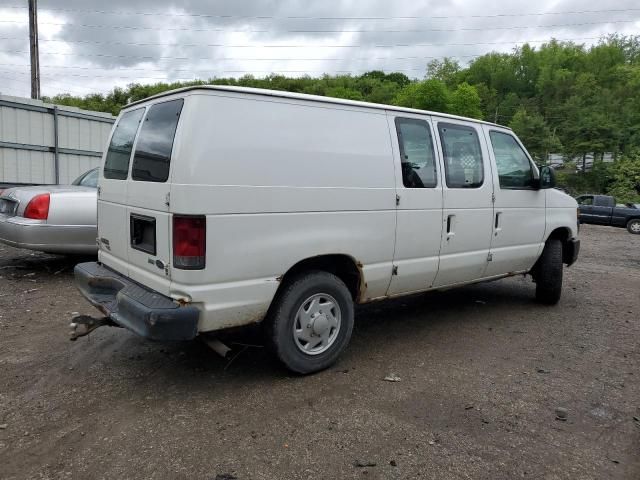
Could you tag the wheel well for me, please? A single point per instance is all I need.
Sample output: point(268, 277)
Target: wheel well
point(342, 266)
point(563, 234)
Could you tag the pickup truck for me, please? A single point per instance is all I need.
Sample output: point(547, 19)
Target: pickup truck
point(602, 210)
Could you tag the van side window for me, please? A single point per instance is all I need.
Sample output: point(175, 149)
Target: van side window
point(155, 143)
point(416, 153)
point(462, 156)
point(514, 168)
point(116, 163)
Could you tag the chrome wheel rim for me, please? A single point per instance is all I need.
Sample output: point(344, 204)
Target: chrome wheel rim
point(635, 227)
point(317, 324)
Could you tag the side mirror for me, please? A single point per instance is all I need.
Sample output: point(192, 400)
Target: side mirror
point(547, 177)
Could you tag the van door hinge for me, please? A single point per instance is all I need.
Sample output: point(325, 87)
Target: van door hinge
point(490, 257)
point(493, 198)
point(394, 270)
point(397, 200)
point(167, 199)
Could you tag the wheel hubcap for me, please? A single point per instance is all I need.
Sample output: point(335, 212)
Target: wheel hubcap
point(635, 227)
point(317, 324)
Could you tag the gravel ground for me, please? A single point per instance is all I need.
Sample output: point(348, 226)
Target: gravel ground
point(482, 371)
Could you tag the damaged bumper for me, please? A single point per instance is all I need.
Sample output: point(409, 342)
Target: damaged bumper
point(130, 305)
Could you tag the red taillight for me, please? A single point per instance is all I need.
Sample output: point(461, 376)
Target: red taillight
point(38, 207)
point(189, 242)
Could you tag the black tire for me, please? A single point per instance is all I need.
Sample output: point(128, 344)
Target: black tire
point(548, 273)
point(633, 226)
point(282, 317)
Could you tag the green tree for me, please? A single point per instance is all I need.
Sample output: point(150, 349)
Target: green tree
point(465, 101)
point(426, 95)
point(625, 172)
point(446, 70)
point(344, 92)
point(536, 135)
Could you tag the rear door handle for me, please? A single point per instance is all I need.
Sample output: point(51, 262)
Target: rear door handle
point(451, 226)
point(496, 226)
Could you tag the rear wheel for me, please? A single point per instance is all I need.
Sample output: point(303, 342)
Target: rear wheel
point(548, 273)
point(633, 226)
point(311, 321)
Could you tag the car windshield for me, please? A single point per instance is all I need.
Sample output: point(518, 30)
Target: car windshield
point(87, 179)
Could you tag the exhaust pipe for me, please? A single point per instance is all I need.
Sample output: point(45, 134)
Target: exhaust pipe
point(217, 346)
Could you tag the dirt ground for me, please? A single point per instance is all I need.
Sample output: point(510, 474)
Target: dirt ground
point(483, 370)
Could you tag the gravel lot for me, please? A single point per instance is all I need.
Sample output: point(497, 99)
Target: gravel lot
point(483, 370)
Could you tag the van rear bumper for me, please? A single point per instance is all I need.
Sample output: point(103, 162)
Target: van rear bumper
point(135, 307)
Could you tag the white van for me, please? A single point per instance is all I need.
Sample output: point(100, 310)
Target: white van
point(220, 207)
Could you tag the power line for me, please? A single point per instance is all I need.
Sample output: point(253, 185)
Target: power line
point(215, 73)
point(281, 59)
point(428, 30)
point(72, 87)
point(111, 69)
point(303, 17)
point(398, 45)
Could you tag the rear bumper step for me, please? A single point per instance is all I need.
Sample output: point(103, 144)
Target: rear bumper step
point(137, 308)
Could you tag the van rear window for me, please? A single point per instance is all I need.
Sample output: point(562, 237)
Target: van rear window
point(462, 154)
point(116, 164)
point(153, 150)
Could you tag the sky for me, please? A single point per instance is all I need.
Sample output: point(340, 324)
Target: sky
point(91, 46)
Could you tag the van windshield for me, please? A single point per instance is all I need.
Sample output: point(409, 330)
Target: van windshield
point(155, 143)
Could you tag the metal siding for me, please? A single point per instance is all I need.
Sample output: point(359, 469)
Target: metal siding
point(9, 163)
point(8, 124)
point(71, 133)
point(21, 125)
point(72, 166)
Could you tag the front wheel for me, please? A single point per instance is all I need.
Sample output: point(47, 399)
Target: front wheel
point(633, 226)
point(548, 273)
point(311, 321)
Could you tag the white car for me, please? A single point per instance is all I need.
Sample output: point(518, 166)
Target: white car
point(221, 207)
point(52, 218)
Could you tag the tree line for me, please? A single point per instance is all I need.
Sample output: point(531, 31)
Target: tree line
point(561, 97)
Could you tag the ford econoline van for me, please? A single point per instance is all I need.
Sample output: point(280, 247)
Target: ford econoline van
point(220, 207)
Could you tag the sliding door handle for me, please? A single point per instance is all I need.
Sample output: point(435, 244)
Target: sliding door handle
point(496, 226)
point(451, 220)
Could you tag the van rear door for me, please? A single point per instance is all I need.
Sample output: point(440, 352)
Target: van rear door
point(148, 219)
point(112, 192)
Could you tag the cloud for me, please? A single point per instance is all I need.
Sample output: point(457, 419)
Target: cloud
point(86, 47)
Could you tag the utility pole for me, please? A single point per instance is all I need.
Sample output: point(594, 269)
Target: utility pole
point(33, 49)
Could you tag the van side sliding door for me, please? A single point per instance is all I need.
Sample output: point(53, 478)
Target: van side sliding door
point(468, 205)
point(419, 203)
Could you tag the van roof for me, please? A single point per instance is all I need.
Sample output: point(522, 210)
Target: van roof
point(303, 96)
